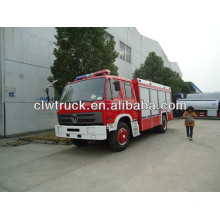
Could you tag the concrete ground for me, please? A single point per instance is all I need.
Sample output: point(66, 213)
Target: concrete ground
point(152, 162)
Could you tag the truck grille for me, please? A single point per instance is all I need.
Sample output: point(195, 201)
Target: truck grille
point(83, 119)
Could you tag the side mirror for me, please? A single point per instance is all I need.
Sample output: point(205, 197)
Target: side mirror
point(117, 85)
point(46, 90)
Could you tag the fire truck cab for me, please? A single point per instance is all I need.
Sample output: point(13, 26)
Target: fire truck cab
point(112, 120)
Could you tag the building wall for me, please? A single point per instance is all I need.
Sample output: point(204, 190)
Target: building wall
point(140, 48)
point(175, 67)
point(27, 56)
point(1, 83)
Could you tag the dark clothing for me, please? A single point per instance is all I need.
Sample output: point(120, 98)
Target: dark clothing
point(189, 131)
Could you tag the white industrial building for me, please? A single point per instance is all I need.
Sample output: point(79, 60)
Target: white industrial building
point(133, 49)
point(26, 55)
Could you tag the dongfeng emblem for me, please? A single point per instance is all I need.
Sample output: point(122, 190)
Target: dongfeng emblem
point(74, 118)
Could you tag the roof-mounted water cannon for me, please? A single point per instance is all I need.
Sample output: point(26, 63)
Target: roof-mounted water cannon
point(46, 90)
point(102, 73)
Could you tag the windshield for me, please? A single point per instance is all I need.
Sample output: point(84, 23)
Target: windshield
point(87, 90)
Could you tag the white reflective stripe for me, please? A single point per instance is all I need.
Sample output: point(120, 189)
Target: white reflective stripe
point(134, 124)
point(113, 126)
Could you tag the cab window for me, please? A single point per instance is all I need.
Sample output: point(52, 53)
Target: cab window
point(127, 90)
point(116, 94)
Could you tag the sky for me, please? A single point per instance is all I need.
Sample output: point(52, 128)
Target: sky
point(195, 49)
point(189, 33)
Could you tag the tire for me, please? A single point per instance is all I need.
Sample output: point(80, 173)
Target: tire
point(163, 127)
point(119, 139)
point(79, 142)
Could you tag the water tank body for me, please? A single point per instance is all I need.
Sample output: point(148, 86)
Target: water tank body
point(210, 95)
point(199, 104)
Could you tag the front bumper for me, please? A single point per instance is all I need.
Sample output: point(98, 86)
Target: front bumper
point(81, 132)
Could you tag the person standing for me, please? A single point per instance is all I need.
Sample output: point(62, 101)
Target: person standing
point(189, 116)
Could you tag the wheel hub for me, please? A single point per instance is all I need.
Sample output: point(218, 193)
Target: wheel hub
point(122, 136)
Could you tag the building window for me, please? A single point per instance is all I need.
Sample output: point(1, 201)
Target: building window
point(125, 52)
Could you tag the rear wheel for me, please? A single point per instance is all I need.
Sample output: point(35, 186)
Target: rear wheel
point(163, 127)
point(119, 139)
point(79, 142)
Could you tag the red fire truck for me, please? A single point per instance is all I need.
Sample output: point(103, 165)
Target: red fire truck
point(117, 125)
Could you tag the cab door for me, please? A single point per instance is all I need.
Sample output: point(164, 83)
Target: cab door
point(129, 97)
point(113, 100)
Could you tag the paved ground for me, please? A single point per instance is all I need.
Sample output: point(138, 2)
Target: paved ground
point(152, 162)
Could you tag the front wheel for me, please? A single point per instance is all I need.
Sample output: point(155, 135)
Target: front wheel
point(163, 127)
point(119, 139)
point(79, 142)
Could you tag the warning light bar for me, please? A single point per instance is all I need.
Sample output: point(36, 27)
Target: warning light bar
point(84, 76)
point(99, 73)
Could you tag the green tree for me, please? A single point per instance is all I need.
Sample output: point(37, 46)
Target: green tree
point(79, 51)
point(187, 88)
point(154, 69)
point(171, 79)
point(151, 69)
